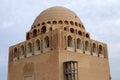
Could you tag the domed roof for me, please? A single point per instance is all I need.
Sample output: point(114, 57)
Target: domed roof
point(57, 13)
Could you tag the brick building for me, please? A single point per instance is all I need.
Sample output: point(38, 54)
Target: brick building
point(58, 47)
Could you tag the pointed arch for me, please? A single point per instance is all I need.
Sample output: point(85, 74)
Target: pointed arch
point(15, 53)
point(87, 46)
point(46, 42)
point(79, 44)
point(22, 51)
point(37, 45)
point(94, 48)
point(100, 49)
point(29, 48)
point(70, 41)
point(34, 33)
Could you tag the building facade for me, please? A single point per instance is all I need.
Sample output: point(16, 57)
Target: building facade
point(58, 47)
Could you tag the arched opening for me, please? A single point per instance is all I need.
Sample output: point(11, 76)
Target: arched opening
point(87, 46)
point(71, 22)
point(66, 22)
point(43, 23)
point(80, 33)
point(15, 53)
point(100, 49)
point(76, 24)
point(34, 33)
point(38, 24)
point(22, 50)
point(54, 22)
point(50, 28)
point(37, 45)
point(87, 35)
point(43, 30)
point(29, 48)
point(48, 22)
point(65, 29)
point(28, 36)
point(46, 42)
point(60, 22)
point(94, 48)
point(79, 25)
point(71, 30)
point(79, 44)
point(70, 41)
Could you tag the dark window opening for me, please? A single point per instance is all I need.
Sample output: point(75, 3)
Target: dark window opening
point(54, 22)
point(65, 29)
point(80, 33)
point(34, 33)
point(71, 30)
point(70, 70)
point(38, 24)
point(87, 35)
point(43, 29)
point(15, 52)
point(66, 22)
point(48, 22)
point(60, 22)
point(28, 36)
point(50, 28)
point(71, 23)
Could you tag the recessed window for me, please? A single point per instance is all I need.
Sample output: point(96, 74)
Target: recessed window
point(100, 49)
point(43, 23)
point(37, 45)
point(65, 29)
point(48, 22)
point(22, 50)
point(46, 42)
point(87, 35)
point(94, 48)
point(80, 33)
point(43, 30)
point(54, 22)
point(71, 22)
point(15, 53)
point(28, 36)
point(87, 46)
point(76, 24)
point(70, 41)
point(38, 24)
point(29, 48)
point(79, 25)
point(60, 22)
point(79, 44)
point(71, 30)
point(34, 33)
point(66, 22)
point(70, 70)
point(50, 28)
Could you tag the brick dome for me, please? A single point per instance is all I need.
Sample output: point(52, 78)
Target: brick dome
point(58, 13)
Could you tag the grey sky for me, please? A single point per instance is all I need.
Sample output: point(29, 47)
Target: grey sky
point(100, 17)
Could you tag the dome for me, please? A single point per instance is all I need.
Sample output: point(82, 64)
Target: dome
point(57, 13)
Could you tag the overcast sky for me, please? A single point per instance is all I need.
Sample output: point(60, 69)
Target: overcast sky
point(100, 17)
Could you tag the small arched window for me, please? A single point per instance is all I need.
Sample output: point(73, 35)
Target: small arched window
point(46, 42)
point(79, 44)
point(71, 30)
point(94, 48)
point(87, 35)
point(60, 22)
point(54, 22)
point(43, 30)
point(100, 49)
point(15, 53)
point(34, 33)
point(28, 36)
point(65, 29)
point(66, 22)
point(50, 28)
point(79, 25)
point(87, 46)
point(76, 24)
point(70, 41)
point(48, 22)
point(80, 33)
point(71, 22)
point(22, 50)
point(29, 48)
point(37, 45)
